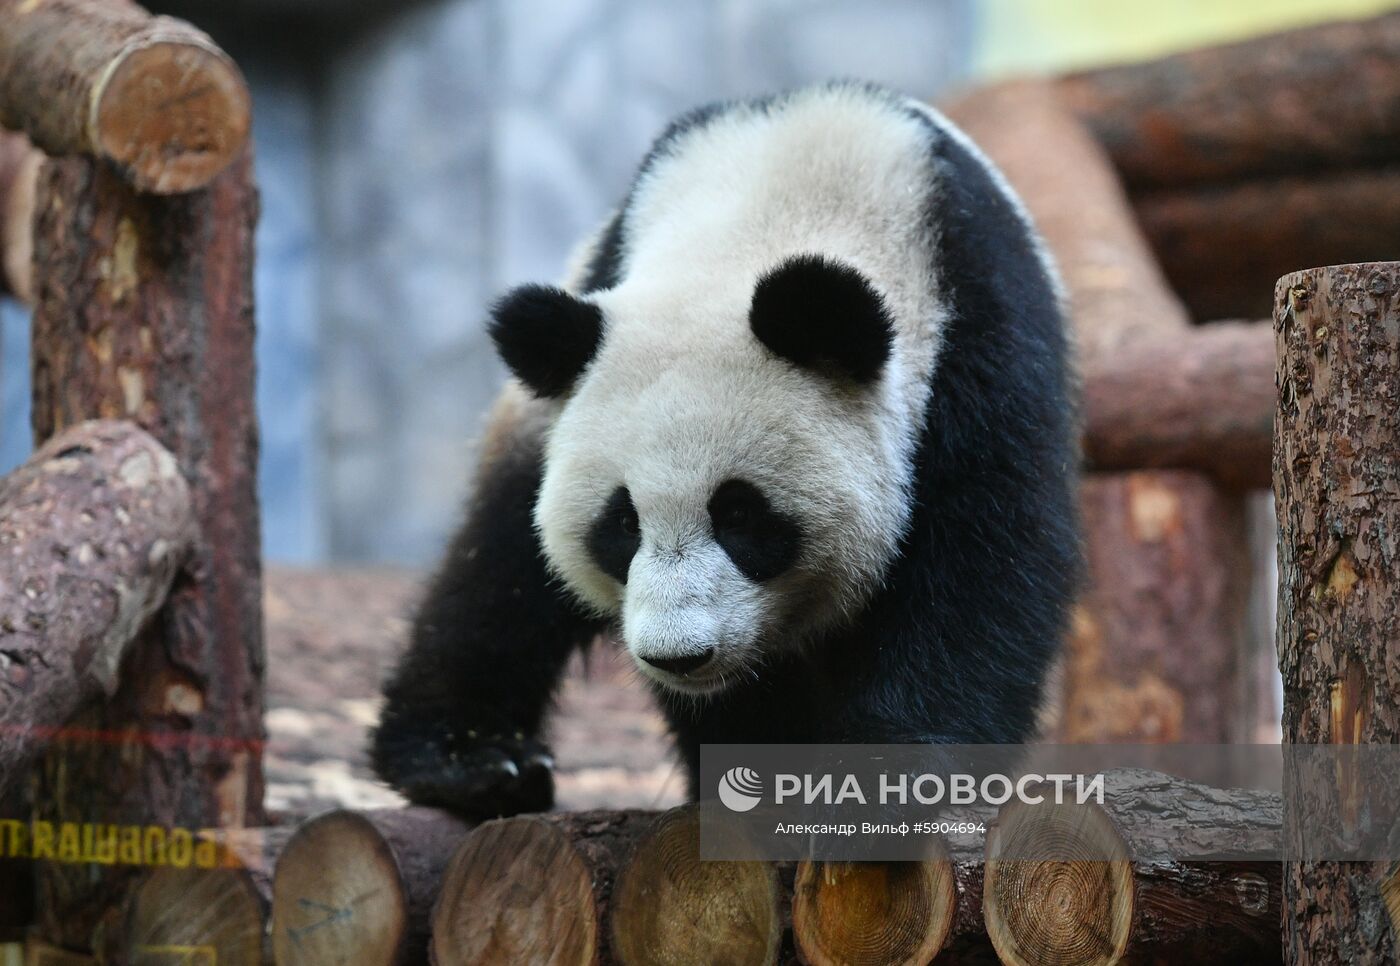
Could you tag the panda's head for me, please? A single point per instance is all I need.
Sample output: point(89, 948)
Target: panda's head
point(725, 473)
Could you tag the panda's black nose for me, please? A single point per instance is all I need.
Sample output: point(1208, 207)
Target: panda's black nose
point(682, 664)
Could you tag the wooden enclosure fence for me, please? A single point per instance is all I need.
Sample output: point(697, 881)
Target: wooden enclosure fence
point(1171, 193)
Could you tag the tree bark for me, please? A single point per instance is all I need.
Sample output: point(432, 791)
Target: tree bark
point(1091, 884)
point(671, 909)
point(358, 888)
point(92, 529)
point(1313, 99)
point(19, 173)
point(1223, 246)
point(1337, 491)
point(144, 311)
point(152, 95)
point(534, 889)
point(1119, 301)
point(1201, 400)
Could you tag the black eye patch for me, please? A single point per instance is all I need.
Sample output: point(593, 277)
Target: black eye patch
point(615, 535)
point(761, 541)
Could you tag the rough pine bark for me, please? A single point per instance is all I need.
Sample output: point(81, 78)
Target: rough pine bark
point(144, 312)
point(92, 530)
point(1317, 98)
point(1337, 491)
point(152, 95)
point(1223, 246)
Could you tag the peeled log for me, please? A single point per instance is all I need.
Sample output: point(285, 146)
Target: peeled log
point(152, 95)
point(357, 888)
point(92, 530)
point(534, 889)
point(1317, 98)
point(1202, 399)
point(19, 173)
point(671, 909)
point(1223, 246)
point(1337, 493)
point(1088, 885)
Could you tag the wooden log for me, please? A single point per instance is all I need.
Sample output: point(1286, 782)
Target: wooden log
point(1336, 483)
point(1115, 686)
point(671, 909)
point(895, 912)
point(143, 311)
point(1155, 649)
point(534, 889)
point(1223, 246)
point(218, 910)
point(92, 530)
point(1201, 399)
point(1318, 98)
point(152, 95)
point(19, 174)
point(1100, 884)
point(358, 887)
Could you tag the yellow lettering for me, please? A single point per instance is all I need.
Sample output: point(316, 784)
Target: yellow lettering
point(154, 853)
point(129, 852)
point(42, 835)
point(180, 847)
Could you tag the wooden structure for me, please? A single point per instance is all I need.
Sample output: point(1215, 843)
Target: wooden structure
point(1336, 481)
point(1180, 189)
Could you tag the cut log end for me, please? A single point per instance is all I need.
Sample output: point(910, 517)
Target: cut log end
point(517, 891)
point(357, 916)
point(174, 910)
point(874, 913)
point(172, 114)
point(1059, 887)
point(670, 908)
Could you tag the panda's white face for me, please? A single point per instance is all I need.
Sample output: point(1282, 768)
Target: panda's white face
point(723, 502)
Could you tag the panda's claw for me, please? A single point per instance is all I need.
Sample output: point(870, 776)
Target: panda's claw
point(489, 777)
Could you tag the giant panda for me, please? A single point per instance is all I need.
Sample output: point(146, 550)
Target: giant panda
point(798, 429)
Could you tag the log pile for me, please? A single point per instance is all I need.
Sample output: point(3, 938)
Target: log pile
point(1172, 193)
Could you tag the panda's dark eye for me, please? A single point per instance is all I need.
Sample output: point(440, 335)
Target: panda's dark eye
point(761, 541)
point(615, 535)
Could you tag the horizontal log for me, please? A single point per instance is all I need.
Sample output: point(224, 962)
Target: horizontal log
point(1202, 399)
point(1307, 100)
point(152, 95)
point(92, 530)
point(357, 888)
point(1223, 246)
point(1089, 883)
point(19, 175)
point(559, 867)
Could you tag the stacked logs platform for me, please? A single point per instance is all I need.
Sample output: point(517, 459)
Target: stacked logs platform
point(1052, 884)
point(1172, 193)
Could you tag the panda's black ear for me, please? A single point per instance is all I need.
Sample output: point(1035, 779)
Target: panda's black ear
point(822, 314)
point(546, 336)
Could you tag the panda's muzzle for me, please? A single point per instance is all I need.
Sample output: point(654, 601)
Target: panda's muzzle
point(681, 664)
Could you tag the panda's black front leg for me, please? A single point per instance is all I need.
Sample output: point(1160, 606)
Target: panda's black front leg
point(464, 708)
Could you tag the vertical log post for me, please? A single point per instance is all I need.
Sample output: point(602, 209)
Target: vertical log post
point(1129, 676)
point(144, 311)
point(1337, 489)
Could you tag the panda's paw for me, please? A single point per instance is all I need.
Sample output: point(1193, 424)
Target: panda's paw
point(477, 775)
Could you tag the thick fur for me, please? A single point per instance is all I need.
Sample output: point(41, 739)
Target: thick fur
point(932, 509)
